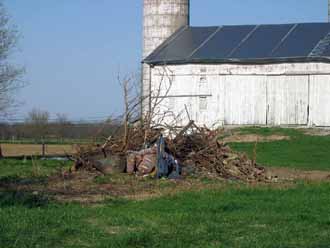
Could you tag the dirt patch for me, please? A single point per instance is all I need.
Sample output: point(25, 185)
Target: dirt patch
point(317, 131)
point(250, 138)
point(77, 187)
point(91, 187)
point(286, 174)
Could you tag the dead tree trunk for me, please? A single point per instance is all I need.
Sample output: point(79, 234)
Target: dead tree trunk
point(125, 141)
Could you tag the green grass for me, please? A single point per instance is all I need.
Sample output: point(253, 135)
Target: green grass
point(301, 151)
point(235, 217)
point(265, 131)
point(20, 169)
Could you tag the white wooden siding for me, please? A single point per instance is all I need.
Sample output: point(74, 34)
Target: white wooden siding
point(287, 100)
point(320, 100)
point(280, 94)
point(245, 100)
point(216, 108)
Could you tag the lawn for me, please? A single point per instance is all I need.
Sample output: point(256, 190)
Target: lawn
point(301, 151)
point(27, 168)
point(237, 216)
point(214, 214)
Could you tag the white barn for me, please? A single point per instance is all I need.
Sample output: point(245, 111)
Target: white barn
point(237, 75)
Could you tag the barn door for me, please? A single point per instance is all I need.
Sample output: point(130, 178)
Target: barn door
point(319, 98)
point(245, 100)
point(287, 100)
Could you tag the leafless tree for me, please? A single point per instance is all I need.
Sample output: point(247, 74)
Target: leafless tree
point(62, 124)
point(157, 111)
point(62, 119)
point(160, 114)
point(38, 117)
point(38, 121)
point(10, 75)
point(132, 101)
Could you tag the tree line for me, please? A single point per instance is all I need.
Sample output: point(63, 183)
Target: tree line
point(37, 127)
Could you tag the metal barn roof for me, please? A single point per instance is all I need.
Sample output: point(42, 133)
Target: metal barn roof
point(245, 44)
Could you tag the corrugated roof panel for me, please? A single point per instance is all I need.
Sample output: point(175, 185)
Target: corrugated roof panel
point(302, 40)
point(246, 44)
point(327, 51)
point(262, 41)
point(223, 42)
point(322, 48)
point(183, 45)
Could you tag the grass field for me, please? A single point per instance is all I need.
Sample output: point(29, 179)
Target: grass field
point(25, 169)
point(301, 151)
point(51, 141)
point(237, 216)
point(11, 150)
point(193, 213)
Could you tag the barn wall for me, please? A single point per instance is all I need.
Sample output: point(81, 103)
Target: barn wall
point(279, 94)
point(287, 100)
point(319, 100)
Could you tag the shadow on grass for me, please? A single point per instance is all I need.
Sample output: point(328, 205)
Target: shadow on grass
point(22, 198)
point(19, 181)
point(10, 196)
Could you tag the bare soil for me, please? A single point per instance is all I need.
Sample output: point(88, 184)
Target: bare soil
point(92, 187)
point(317, 131)
point(250, 138)
point(12, 150)
point(286, 174)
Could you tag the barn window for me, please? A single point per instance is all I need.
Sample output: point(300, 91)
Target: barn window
point(202, 103)
point(202, 81)
point(203, 70)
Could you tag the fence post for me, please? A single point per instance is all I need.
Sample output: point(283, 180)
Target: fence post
point(1, 155)
point(43, 149)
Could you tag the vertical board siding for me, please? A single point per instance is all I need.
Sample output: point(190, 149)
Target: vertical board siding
point(320, 100)
point(211, 116)
point(217, 101)
point(263, 97)
point(245, 100)
point(287, 100)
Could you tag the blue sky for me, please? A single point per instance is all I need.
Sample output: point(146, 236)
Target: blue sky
point(72, 49)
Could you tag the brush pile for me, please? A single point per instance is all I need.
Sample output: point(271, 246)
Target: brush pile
point(200, 151)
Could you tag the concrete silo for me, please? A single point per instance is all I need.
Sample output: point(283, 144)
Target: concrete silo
point(161, 18)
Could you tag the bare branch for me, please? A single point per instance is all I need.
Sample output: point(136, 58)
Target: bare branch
point(10, 76)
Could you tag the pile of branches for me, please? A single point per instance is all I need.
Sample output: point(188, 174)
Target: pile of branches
point(87, 157)
point(203, 150)
point(197, 148)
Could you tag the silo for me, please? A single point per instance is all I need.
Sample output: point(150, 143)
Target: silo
point(161, 18)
